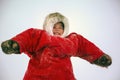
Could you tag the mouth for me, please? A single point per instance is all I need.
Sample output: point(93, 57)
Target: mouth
point(57, 33)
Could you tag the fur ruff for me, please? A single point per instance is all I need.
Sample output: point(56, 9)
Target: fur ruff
point(53, 18)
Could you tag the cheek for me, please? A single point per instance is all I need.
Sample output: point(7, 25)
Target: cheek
point(53, 30)
point(62, 31)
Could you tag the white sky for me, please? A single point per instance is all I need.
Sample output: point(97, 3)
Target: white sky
point(97, 20)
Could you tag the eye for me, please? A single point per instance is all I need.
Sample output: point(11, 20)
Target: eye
point(60, 27)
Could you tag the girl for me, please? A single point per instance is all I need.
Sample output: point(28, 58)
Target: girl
point(50, 50)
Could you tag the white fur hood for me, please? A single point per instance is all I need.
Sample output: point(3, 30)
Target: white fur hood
point(53, 18)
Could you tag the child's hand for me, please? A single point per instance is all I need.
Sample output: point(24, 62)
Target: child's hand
point(10, 47)
point(103, 61)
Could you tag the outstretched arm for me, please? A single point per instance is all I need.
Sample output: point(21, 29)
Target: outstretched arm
point(10, 47)
point(29, 42)
point(90, 52)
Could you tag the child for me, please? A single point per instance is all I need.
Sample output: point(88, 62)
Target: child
point(50, 50)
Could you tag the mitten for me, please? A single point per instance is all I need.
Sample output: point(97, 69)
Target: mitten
point(103, 61)
point(10, 47)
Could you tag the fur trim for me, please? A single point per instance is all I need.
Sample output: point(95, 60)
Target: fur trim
point(53, 18)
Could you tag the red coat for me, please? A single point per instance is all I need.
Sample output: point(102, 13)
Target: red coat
point(50, 55)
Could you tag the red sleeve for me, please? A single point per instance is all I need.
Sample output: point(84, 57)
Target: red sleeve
point(85, 49)
point(31, 40)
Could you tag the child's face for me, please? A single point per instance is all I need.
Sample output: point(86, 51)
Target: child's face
point(58, 29)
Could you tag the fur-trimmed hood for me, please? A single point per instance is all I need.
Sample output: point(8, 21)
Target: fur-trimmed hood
point(53, 18)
